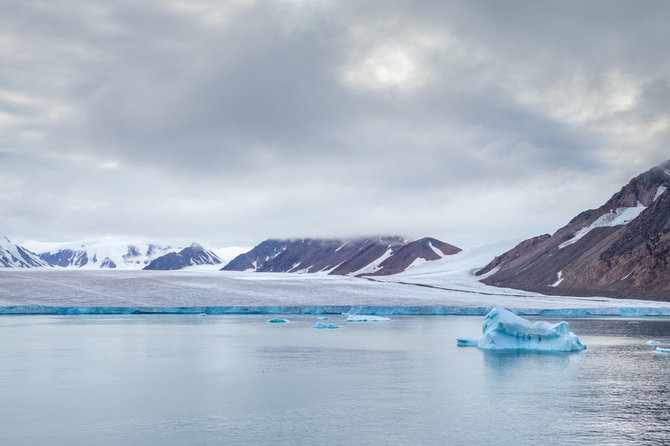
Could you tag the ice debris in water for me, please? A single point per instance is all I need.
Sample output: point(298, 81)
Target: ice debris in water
point(662, 350)
point(504, 330)
point(323, 318)
point(321, 325)
point(653, 343)
point(278, 320)
point(366, 318)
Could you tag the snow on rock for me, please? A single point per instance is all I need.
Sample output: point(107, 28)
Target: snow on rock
point(15, 256)
point(504, 330)
point(620, 216)
point(366, 318)
point(660, 191)
point(322, 325)
point(559, 279)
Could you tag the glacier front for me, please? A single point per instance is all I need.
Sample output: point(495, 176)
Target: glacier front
point(504, 330)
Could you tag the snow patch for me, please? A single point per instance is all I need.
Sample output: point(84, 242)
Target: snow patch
point(620, 216)
point(504, 330)
point(660, 191)
point(558, 280)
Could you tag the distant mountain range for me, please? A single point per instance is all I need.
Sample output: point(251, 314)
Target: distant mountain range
point(363, 256)
point(621, 249)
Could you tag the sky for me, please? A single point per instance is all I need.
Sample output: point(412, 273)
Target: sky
point(229, 122)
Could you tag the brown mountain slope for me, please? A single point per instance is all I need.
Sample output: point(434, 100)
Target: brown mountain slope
point(621, 249)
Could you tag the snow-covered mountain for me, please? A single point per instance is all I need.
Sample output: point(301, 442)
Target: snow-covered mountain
point(190, 256)
point(621, 249)
point(15, 256)
point(363, 256)
point(107, 253)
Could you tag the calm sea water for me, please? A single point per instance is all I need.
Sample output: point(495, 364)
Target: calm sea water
point(190, 380)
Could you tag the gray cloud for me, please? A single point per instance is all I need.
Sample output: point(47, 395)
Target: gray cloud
point(239, 120)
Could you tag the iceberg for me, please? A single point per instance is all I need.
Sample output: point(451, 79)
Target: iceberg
point(504, 330)
point(278, 320)
point(662, 350)
point(653, 343)
point(322, 325)
point(366, 318)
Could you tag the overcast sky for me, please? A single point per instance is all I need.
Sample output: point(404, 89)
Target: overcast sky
point(232, 122)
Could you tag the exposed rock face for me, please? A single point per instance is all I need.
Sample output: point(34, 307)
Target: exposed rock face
point(193, 255)
point(363, 256)
point(15, 256)
point(621, 249)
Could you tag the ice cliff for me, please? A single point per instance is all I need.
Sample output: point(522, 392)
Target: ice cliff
point(504, 330)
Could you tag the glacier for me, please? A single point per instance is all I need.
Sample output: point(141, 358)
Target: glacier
point(504, 330)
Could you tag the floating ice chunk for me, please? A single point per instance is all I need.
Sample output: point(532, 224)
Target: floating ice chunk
point(504, 330)
point(466, 342)
point(321, 325)
point(653, 343)
point(366, 318)
point(278, 320)
point(662, 350)
point(323, 318)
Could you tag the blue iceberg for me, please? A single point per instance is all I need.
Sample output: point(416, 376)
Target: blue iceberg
point(504, 330)
point(662, 350)
point(278, 320)
point(322, 325)
point(653, 342)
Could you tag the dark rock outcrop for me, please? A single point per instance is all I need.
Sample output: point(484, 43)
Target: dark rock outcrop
point(364, 256)
point(621, 249)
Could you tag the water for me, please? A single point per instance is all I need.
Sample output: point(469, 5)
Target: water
point(191, 380)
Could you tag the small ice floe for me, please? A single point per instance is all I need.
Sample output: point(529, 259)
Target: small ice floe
point(662, 350)
point(277, 320)
point(322, 325)
point(323, 318)
point(504, 330)
point(365, 318)
point(653, 343)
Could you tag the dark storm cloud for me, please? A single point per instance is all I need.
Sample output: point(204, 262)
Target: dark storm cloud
point(264, 110)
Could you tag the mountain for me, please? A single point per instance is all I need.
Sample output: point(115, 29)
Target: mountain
point(109, 253)
point(193, 255)
point(15, 256)
point(621, 249)
point(363, 256)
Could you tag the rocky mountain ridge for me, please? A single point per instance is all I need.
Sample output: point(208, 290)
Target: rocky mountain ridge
point(383, 255)
point(621, 249)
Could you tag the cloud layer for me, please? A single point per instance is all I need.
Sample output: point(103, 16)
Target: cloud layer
point(236, 121)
